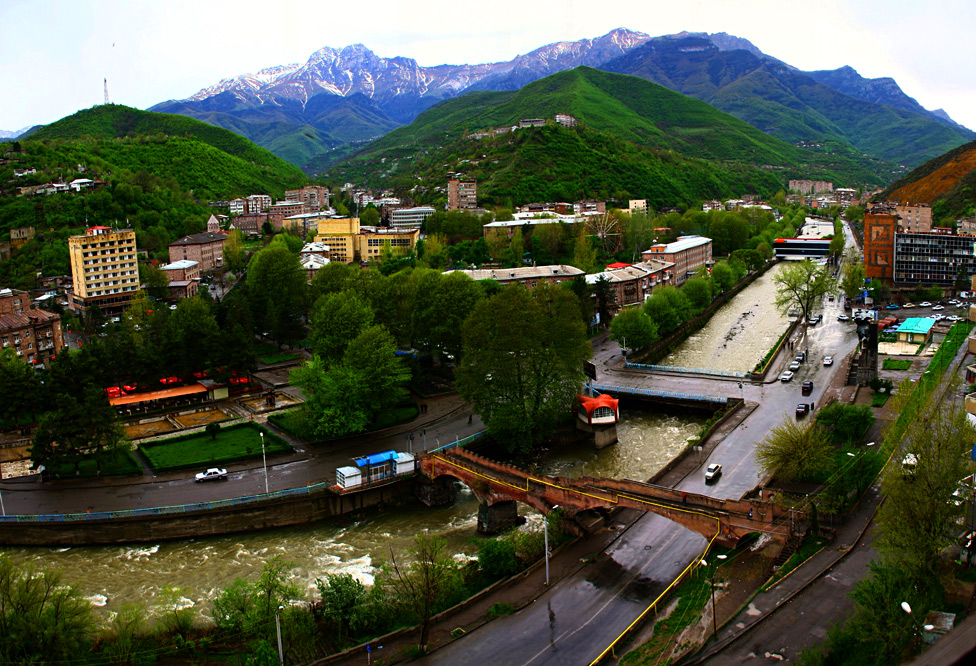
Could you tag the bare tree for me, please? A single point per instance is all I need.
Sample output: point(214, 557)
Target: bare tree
point(802, 284)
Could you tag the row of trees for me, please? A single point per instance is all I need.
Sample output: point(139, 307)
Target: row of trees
point(44, 619)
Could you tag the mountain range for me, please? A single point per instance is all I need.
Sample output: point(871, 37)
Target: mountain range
point(317, 112)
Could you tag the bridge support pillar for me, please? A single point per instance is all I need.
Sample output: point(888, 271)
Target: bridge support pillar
point(602, 434)
point(437, 493)
point(498, 517)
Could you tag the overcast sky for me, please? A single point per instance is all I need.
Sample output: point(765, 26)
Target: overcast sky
point(54, 54)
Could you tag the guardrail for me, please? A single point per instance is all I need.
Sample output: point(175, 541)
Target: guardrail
point(688, 371)
point(163, 510)
point(628, 390)
point(460, 442)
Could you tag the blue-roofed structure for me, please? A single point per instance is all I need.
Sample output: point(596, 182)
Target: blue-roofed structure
point(916, 330)
point(375, 459)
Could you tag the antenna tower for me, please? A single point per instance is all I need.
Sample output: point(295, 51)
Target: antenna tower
point(107, 100)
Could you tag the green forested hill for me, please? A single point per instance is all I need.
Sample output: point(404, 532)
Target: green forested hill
point(635, 139)
point(160, 171)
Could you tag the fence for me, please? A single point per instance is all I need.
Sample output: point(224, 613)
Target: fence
point(460, 442)
point(164, 510)
point(688, 371)
point(671, 395)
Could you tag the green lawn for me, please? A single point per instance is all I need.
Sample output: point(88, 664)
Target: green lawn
point(294, 423)
point(896, 364)
point(879, 399)
point(120, 462)
point(237, 442)
point(281, 357)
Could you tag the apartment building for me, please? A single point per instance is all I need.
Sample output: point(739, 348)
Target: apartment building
point(183, 277)
point(279, 211)
point(688, 254)
point(13, 301)
point(530, 276)
point(633, 283)
point(894, 252)
point(371, 242)
point(316, 196)
point(207, 249)
point(34, 335)
point(410, 218)
point(462, 194)
point(104, 268)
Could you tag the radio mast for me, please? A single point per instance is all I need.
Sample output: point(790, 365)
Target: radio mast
point(107, 100)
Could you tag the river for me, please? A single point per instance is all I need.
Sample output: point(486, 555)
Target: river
point(736, 337)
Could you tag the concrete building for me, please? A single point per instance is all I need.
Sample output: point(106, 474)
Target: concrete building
point(315, 196)
point(302, 223)
point(207, 249)
point(311, 263)
point(632, 284)
point(411, 218)
point(249, 223)
point(903, 257)
point(804, 186)
point(637, 206)
point(589, 207)
point(104, 268)
point(340, 235)
point(880, 226)
point(34, 335)
point(462, 194)
point(687, 254)
point(530, 276)
point(184, 277)
point(566, 120)
point(372, 241)
point(20, 236)
point(279, 211)
point(258, 203)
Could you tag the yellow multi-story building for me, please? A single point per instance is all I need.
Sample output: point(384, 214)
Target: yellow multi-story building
point(340, 235)
point(104, 268)
point(348, 242)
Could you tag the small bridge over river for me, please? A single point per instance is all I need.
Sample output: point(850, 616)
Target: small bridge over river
point(499, 487)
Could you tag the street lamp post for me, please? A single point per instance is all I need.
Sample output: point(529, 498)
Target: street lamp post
point(711, 585)
point(281, 654)
point(545, 538)
point(928, 627)
point(264, 461)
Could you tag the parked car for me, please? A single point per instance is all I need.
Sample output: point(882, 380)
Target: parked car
point(908, 305)
point(801, 356)
point(938, 307)
point(786, 377)
point(802, 410)
point(828, 360)
point(794, 366)
point(212, 474)
point(843, 317)
point(806, 388)
point(891, 306)
point(814, 319)
point(925, 304)
point(712, 472)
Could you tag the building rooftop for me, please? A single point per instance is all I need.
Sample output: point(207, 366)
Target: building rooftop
point(683, 243)
point(523, 273)
point(180, 265)
point(921, 325)
point(201, 239)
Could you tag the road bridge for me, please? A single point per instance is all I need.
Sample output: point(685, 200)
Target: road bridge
point(499, 487)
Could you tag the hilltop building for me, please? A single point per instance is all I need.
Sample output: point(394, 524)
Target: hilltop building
point(804, 186)
point(462, 194)
point(104, 268)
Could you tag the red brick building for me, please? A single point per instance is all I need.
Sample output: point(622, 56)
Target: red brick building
point(879, 244)
point(34, 335)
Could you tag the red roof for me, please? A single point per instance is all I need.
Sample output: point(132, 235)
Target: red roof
point(602, 400)
point(158, 395)
point(618, 264)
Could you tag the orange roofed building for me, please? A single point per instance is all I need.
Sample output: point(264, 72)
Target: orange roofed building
point(597, 410)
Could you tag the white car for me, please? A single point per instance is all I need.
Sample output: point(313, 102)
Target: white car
point(712, 472)
point(828, 360)
point(794, 366)
point(924, 304)
point(786, 376)
point(938, 307)
point(212, 474)
point(843, 317)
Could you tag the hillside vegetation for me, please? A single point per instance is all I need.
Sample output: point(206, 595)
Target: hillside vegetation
point(947, 183)
point(160, 171)
point(635, 139)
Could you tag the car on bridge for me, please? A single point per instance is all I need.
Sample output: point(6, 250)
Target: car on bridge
point(712, 472)
point(212, 474)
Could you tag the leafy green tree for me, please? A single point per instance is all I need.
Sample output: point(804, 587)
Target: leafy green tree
point(276, 290)
point(802, 284)
point(584, 254)
point(723, 277)
point(249, 607)
point(194, 332)
point(155, 280)
point(699, 293)
point(606, 297)
point(497, 557)
point(21, 389)
point(369, 216)
point(852, 277)
point(517, 248)
point(42, 619)
point(423, 584)
point(336, 319)
point(918, 518)
point(382, 376)
point(752, 259)
point(235, 257)
point(288, 240)
point(332, 278)
point(175, 615)
point(523, 361)
point(344, 602)
point(332, 407)
point(441, 305)
point(848, 423)
point(794, 450)
point(668, 308)
point(633, 329)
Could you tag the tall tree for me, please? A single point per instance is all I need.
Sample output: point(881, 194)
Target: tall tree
point(77, 427)
point(336, 319)
point(852, 276)
point(802, 284)
point(523, 361)
point(234, 254)
point(276, 290)
point(633, 329)
point(794, 449)
point(441, 305)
